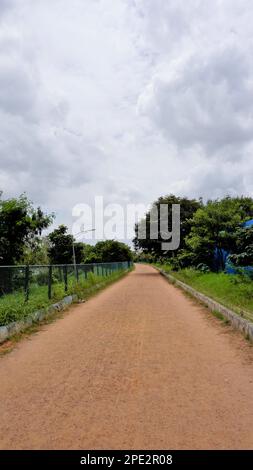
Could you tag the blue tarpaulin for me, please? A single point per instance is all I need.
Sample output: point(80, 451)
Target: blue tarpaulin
point(229, 267)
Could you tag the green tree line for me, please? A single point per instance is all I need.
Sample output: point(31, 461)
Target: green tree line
point(207, 231)
point(22, 242)
point(207, 228)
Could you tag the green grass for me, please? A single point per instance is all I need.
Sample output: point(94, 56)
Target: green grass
point(235, 292)
point(14, 308)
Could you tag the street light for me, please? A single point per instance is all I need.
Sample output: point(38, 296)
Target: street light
point(73, 247)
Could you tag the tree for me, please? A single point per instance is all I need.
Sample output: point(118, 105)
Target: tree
point(36, 252)
point(187, 208)
point(111, 251)
point(90, 255)
point(107, 251)
point(213, 228)
point(20, 225)
point(61, 247)
point(243, 250)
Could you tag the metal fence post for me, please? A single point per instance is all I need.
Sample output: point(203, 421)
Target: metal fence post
point(27, 272)
point(50, 282)
point(65, 275)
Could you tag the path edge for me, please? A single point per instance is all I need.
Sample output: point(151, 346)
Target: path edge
point(14, 328)
point(241, 324)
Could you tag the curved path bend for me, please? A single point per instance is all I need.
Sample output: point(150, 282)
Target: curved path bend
point(139, 366)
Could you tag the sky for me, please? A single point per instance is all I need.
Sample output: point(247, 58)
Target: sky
point(125, 99)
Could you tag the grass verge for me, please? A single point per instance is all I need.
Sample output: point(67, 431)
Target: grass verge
point(84, 291)
point(232, 291)
point(14, 308)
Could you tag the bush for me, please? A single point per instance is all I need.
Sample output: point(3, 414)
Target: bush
point(203, 268)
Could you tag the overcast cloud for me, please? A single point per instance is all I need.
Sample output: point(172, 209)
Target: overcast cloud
point(129, 99)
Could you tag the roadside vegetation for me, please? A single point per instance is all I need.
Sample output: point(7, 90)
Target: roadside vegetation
point(215, 236)
point(27, 256)
point(213, 233)
point(13, 307)
point(22, 241)
point(233, 291)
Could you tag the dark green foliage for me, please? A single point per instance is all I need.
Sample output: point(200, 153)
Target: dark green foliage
point(61, 247)
point(243, 250)
point(203, 268)
point(213, 227)
point(112, 250)
point(188, 208)
point(36, 252)
point(106, 252)
point(20, 225)
point(206, 229)
point(90, 255)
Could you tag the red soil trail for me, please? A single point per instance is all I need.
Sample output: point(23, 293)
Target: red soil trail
point(139, 366)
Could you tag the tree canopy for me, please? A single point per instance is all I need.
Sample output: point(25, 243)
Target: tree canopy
point(213, 229)
point(208, 230)
point(61, 247)
point(187, 208)
point(243, 249)
point(106, 252)
point(20, 225)
point(36, 252)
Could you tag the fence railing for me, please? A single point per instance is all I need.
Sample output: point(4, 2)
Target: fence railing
point(27, 279)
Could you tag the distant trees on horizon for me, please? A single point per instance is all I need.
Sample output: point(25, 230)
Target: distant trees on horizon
point(21, 240)
point(206, 229)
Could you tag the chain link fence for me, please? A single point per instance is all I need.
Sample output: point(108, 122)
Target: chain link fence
point(28, 279)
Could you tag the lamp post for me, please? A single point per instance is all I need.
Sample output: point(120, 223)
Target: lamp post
point(73, 247)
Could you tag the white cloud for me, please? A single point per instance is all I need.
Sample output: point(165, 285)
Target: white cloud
point(128, 99)
point(205, 102)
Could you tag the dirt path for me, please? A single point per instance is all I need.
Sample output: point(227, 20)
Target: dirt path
point(138, 366)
